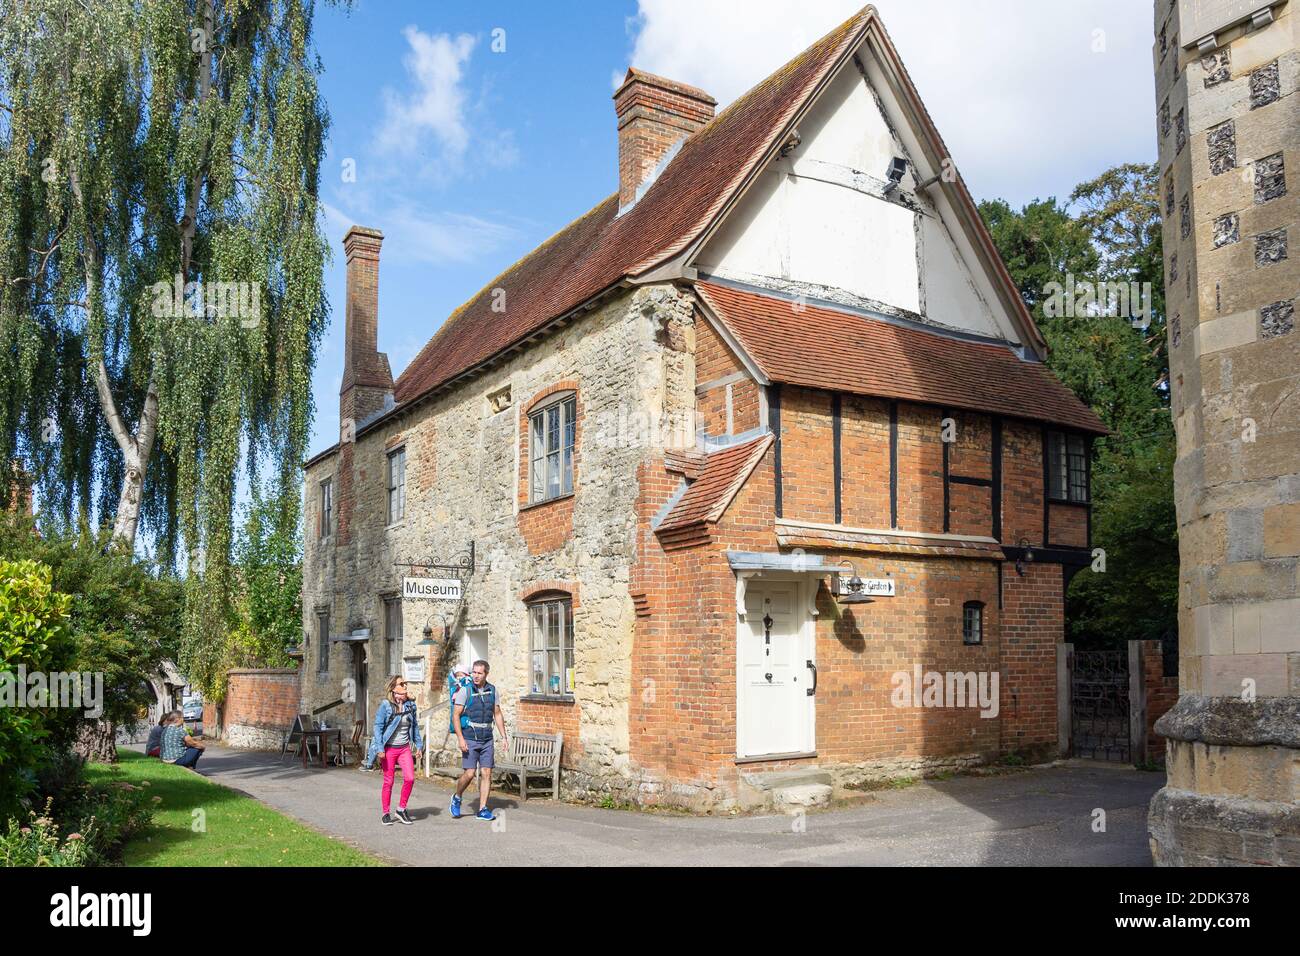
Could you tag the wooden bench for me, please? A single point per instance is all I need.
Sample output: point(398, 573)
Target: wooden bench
point(534, 755)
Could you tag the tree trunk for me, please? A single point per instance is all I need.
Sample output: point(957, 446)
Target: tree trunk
point(128, 504)
point(97, 741)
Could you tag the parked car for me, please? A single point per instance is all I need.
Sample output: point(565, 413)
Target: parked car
point(192, 709)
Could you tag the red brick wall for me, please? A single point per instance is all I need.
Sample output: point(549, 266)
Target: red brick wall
point(1022, 483)
point(547, 525)
point(1069, 525)
point(920, 468)
point(1033, 623)
point(807, 465)
point(864, 451)
point(1162, 693)
point(715, 361)
point(266, 699)
point(553, 717)
point(970, 455)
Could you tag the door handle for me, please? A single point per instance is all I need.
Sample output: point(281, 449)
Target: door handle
point(813, 689)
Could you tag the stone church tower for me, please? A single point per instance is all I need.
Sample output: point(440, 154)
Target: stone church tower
point(1228, 118)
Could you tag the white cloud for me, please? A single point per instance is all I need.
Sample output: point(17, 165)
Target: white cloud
point(436, 65)
point(1023, 102)
point(415, 235)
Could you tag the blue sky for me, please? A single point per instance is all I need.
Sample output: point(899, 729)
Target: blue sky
point(469, 132)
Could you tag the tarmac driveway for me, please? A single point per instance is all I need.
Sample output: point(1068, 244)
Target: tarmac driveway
point(1043, 816)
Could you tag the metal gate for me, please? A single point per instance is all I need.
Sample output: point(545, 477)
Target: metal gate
point(1099, 706)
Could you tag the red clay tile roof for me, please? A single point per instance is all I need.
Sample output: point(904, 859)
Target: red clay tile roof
point(824, 348)
point(601, 249)
point(707, 497)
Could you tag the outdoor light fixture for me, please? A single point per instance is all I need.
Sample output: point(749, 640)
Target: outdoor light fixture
point(428, 634)
point(428, 631)
point(1026, 556)
point(894, 173)
point(857, 590)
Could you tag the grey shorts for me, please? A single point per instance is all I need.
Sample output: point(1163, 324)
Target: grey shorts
point(479, 755)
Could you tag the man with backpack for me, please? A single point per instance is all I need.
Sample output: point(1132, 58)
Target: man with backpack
point(475, 710)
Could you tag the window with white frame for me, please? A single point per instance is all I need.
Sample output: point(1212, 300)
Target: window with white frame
point(552, 431)
point(550, 625)
point(396, 485)
point(323, 641)
point(393, 634)
point(972, 622)
point(326, 507)
point(1067, 467)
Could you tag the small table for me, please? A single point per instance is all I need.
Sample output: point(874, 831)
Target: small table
point(320, 736)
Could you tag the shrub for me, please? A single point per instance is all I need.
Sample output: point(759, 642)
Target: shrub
point(95, 822)
point(38, 844)
point(34, 635)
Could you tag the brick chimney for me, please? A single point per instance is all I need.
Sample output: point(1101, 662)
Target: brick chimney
point(367, 380)
point(654, 114)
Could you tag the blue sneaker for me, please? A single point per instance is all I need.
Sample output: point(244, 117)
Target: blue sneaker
point(485, 814)
point(455, 808)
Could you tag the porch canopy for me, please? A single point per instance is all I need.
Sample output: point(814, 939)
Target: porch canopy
point(746, 564)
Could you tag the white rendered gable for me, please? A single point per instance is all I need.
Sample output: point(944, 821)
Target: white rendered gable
point(819, 221)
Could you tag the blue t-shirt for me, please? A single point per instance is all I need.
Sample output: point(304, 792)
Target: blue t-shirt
point(173, 743)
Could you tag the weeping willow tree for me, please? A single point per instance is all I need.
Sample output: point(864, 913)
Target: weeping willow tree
point(161, 260)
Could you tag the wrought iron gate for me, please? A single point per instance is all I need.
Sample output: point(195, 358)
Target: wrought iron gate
point(1099, 705)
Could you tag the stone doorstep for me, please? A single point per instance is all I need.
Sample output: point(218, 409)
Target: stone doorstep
point(779, 779)
point(787, 790)
point(802, 796)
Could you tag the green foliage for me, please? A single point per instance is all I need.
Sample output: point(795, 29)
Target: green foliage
point(34, 634)
point(85, 825)
point(37, 843)
point(123, 616)
point(1121, 371)
point(265, 614)
point(145, 143)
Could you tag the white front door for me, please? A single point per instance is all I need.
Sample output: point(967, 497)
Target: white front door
point(775, 714)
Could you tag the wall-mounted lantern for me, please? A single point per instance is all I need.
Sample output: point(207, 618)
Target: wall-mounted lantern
point(855, 586)
point(1026, 557)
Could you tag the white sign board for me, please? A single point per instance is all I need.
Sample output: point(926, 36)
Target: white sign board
point(871, 587)
point(413, 669)
point(431, 589)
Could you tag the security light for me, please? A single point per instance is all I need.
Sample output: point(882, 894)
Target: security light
point(894, 173)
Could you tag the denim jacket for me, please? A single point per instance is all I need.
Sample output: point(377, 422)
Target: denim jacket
point(386, 721)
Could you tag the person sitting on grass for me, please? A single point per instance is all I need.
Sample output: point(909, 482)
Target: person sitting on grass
point(177, 745)
point(153, 745)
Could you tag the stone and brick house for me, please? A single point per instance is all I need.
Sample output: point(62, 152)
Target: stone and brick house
point(783, 357)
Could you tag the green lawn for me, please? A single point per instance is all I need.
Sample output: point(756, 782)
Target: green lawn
point(236, 830)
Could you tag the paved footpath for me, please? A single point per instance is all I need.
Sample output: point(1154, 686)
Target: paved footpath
point(1035, 817)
